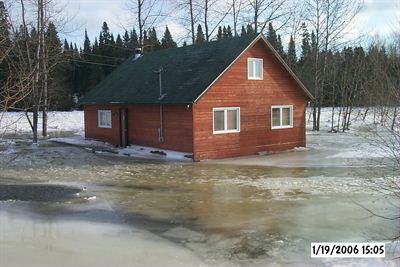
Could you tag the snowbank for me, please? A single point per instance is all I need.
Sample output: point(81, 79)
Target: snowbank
point(17, 123)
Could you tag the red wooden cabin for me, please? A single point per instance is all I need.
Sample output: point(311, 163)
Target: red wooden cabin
point(220, 99)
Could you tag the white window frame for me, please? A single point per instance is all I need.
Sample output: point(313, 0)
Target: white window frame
point(280, 119)
point(99, 121)
point(225, 110)
point(254, 69)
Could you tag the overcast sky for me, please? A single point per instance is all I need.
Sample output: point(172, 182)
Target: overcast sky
point(377, 17)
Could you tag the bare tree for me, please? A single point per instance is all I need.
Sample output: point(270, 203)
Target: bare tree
point(330, 21)
point(213, 14)
point(188, 13)
point(147, 13)
point(387, 136)
point(265, 11)
point(31, 61)
point(236, 10)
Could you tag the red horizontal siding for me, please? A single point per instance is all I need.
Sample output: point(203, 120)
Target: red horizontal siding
point(143, 124)
point(110, 135)
point(254, 98)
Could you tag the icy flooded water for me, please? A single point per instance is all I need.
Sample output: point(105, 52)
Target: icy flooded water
point(66, 206)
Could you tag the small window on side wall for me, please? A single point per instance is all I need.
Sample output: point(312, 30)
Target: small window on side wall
point(104, 118)
point(282, 117)
point(255, 68)
point(226, 120)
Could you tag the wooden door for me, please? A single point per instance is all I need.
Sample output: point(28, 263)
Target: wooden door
point(124, 127)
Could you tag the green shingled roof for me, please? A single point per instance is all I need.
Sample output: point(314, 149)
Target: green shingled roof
point(187, 72)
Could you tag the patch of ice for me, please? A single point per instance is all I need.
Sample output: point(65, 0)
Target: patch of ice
point(184, 234)
point(299, 149)
point(148, 152)
point(81, 141)
point(294, 188)
point(90, 198)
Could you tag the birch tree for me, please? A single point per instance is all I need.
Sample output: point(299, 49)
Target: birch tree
point(188, 14)
point(213, 15)
point(147, 14)
point(330, 21)
point(264, 11)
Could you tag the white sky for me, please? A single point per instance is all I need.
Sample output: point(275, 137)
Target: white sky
point(378, 17)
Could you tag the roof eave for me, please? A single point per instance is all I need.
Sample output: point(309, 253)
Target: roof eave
point(286, 66)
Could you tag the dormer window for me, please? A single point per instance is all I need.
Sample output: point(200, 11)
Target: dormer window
point(255, 68)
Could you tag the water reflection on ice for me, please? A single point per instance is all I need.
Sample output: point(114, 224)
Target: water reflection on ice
point(149, 213)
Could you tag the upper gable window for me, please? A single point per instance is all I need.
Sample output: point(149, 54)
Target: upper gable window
point(255, 68)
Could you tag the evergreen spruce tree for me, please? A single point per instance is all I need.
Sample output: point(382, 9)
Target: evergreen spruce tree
point(224, 33)
point(219, 34)
point(112, 40)
point(200, 35)
point(95, 49)
point(106, 33)
point(119, 47)
point(87, 48)
point(243, 32)
point(76, 51)
point(134, 40)
point(271, 36)
point(66, 46)
point(167, 41)
point(305, 44)
point(53, 42)
point(59, 90)
point(229, 32)
point(119, 42)
point(5, 42)
point(126, 40)
point(279, 47)
point(305, 68)
point(105, 47)
point(249, 29)
point(291, 58)
point(153, 40)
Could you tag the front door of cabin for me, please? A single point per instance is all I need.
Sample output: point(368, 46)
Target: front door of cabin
point(124, 127)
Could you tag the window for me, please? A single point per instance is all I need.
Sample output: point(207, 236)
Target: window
point(226, 120)
point(282, 117)
point(104, 117)
point(255, 68)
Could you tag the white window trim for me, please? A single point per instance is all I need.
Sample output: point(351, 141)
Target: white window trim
point(280, 119)
point(99, 122)
point(254, 70)
point(225, 120)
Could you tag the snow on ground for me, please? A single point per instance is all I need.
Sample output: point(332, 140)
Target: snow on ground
point(17, 123)
point(130, 151)
point(333, 148)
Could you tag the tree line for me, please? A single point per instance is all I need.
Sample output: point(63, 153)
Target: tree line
point(38, 71)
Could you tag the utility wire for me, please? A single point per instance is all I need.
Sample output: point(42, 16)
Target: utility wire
point(95, 55)
point(93, 63)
